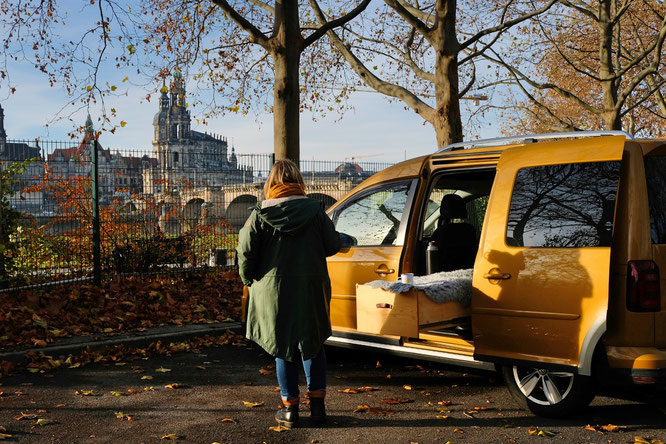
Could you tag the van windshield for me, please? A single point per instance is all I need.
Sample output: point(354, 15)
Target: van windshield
point(655, 172)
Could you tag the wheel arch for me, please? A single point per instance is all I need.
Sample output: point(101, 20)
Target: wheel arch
point(587, 350)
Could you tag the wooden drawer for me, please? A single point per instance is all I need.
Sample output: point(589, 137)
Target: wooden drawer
point(382, 312)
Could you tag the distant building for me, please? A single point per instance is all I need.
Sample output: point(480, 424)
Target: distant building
point(187, 158)
point(11, 152)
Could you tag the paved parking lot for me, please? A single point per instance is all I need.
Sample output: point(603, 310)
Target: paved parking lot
point(372, 399)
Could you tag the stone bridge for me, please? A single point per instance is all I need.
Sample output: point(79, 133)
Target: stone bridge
point(183, 210)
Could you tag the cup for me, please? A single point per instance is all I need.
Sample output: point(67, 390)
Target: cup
point(407, 278)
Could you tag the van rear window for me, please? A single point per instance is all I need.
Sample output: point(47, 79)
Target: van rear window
point(655, 173)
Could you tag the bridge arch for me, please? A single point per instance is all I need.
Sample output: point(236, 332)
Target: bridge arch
point(325, 199)
point(239, 210)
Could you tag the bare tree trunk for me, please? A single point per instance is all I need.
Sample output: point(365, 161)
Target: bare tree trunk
point(447, 119)
point(287, 47)
point(609, 87)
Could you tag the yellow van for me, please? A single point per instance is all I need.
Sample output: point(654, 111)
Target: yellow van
point(562, 237)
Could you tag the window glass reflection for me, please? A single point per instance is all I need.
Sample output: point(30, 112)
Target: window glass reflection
point(374, 219)
point(563, 206)
point(655, 173)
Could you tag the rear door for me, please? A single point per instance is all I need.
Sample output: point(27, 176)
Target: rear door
point(540, 286)
point(375, 220)
point(655, 175)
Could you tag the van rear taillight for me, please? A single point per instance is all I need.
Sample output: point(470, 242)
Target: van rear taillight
point(643, 293)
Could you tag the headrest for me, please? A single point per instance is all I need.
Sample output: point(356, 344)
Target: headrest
point(452, 207)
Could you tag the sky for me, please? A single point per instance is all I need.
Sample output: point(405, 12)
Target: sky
point(375, 130)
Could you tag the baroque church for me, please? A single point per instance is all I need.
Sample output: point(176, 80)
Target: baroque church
point(187, 158)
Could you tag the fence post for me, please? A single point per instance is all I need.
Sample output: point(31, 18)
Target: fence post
point(97, 260)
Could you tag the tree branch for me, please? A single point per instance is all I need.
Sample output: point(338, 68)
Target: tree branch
point(374, 82)
point(329, 25)
point(256, 36)
point(266, 7)
point(504, 25)
point(420, 26)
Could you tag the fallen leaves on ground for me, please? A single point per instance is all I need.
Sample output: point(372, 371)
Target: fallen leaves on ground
point(397, 401)
point(642, 440)
point(86, 393)
point(606, 428)
point(536, 431)
point(4, 436)
point(175, 385)
point(163, 370)
point(365, 408)
point(121, 415)
point(116, 393)
point(229, 420)
point(25, 416)
point(44, 421)
point(252, 404)
point(279, 428)
point(171, 436)
point(38, 316)
point(358, 390)
point(265, 372)
point(146, 378)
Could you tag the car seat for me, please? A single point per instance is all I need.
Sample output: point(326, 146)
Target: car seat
point(456, 240)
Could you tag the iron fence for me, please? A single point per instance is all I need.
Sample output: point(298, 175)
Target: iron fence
point(146, 212)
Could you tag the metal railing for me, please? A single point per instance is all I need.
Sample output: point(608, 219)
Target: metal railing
point(143, 212)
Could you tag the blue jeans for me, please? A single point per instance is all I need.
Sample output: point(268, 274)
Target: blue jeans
point(315, 374)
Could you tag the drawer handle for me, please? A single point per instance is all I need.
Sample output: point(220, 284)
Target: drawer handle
point(384, 305)
point(384, 270)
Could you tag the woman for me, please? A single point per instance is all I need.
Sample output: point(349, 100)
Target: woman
point(282, 253)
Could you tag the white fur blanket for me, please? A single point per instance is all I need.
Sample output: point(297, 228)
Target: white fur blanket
point(445, 286)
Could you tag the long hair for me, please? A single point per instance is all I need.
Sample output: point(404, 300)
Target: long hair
point(283, 171)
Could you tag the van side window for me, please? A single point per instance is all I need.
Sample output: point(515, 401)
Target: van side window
point(563, 206)
point(374, 219)
point(655, 173)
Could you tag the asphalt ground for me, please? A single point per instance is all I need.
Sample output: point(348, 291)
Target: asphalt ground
point(209, 406)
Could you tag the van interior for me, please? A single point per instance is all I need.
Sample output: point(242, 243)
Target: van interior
point(453, 218)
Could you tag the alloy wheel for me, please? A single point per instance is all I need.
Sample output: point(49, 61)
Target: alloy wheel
point(541, 386)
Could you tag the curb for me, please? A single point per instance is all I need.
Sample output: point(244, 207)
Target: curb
point(135, 339)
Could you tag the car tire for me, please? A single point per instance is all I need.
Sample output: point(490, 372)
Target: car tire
point(549, 393)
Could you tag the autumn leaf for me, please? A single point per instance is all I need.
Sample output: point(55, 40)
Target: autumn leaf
point(115, 393)
point(613, 428)
point(231, 420)
point(86, 393)
point(279, 428)
point(536, 431)
point(171, 436)
point(25, 416)
point(397, 401)
point(146, 377)
point(123, 123)
point(457, 430)
point(43, 422)
point(121, 415)
point(163, 370)
point(148, 389)
point(362, 408)
point(265, 372)
point(175, 385)
point(440, 416)
point(445, 403)
point(407, 387)
point(252, 404)
point(4, 436)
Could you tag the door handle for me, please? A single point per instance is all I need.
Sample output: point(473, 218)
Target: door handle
point(496, 275)
point(384, 270)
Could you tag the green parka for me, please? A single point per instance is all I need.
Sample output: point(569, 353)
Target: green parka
point(282, 253)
